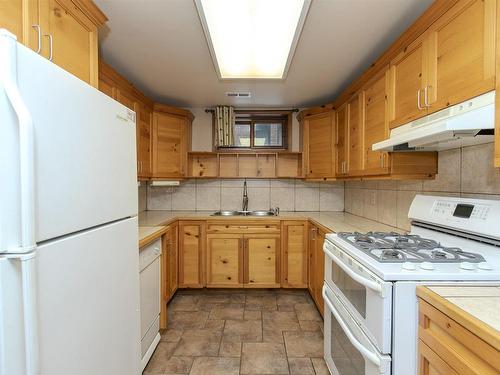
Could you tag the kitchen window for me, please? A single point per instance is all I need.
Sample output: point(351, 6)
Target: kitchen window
point(262, 130)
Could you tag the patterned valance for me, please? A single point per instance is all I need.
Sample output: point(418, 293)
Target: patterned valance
point(224, 124)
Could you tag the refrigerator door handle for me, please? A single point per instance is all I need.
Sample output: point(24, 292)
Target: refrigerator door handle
point(8, 74)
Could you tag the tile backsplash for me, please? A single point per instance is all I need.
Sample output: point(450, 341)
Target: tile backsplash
point(466, 172)
point(212, 195)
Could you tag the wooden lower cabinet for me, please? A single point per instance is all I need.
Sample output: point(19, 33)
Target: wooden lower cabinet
point(294, 254)
point(191, 254)
point(224, 260)
point(262, 261)
point(449, 347)
point(316, 265)
point(172, 248)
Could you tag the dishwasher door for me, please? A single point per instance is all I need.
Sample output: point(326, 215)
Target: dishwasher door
point(149, 260)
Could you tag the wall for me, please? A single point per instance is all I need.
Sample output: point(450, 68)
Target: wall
point(466, 172)
point(203, 134)
point(143, 198)
point(212, 195)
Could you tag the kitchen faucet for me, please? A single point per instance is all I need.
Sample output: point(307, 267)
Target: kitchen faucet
point(245, 196)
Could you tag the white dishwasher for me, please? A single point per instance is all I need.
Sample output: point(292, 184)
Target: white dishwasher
point(149, 268)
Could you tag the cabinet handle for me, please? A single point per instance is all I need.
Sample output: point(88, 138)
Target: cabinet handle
point(39, 32)
point(426, 96)
point(418, 100)
point(51, 46)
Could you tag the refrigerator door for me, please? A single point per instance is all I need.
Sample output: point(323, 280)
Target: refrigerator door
point(88, 304)
point(85, 150)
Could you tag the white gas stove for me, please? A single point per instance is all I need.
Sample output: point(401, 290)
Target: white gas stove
point(370, 280)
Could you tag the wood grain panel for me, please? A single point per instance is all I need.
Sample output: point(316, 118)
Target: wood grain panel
point(191, 254)
point(262, 261)
point(294, 254)
point(224, 260)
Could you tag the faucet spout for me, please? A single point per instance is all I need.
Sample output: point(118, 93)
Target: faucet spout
point(245, 196)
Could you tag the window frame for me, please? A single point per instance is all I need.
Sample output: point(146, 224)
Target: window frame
point(251, 119)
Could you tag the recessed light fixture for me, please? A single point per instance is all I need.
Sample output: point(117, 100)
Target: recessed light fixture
point(252, 38)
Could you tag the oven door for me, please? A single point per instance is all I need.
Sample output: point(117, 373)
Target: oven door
point(367, 297)
point(348, 351)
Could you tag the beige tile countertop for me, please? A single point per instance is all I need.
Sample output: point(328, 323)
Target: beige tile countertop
point(334, 221)
point(148, 234)
point(474, 307)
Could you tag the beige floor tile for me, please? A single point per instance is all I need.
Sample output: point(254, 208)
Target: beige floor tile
point(304, 344)
point(215, 324)
point(301, 366)
point(160, 357)
point(273, 335)
point(252, 315)
point(263, 358)
point(187, 319)
point(243, 331)
point(224, 313)
point(230, 349)
point(307, 312)
point(198, 342)
point(171, 335)
point(261, 302)
point(215, 366)
point(184, 303)
point(280, 321)
point(320, 366)
point(292, 299)
point(310, 325)
point(178, 365)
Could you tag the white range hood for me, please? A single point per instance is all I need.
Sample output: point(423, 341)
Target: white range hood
point(468, 123)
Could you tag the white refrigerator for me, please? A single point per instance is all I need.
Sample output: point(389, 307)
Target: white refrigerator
point(69, 260)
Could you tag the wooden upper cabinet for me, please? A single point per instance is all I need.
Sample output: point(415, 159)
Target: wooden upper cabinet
point(461, 58)
point(407, 83)
point(191, 254)
point(375, 125)
point(144, 119)
point(342, 140)
point(294, 254)
point(126, 98)
point(67, 30)
point(262, 261)
point(225, 260)
point(319, 140)
point(12, 14)
point(171, 143)
point(355, 152)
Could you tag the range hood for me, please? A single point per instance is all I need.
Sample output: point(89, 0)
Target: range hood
point(464, 124)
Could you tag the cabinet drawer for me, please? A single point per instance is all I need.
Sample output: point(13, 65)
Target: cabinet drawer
point(461, 349)
point(244, 227)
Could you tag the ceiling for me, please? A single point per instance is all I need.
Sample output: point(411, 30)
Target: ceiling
point(159, 45)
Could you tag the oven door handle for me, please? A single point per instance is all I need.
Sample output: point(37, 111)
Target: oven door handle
point(369, 355)
point(373, 285)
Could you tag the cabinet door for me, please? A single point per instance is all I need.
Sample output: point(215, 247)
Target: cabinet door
point(355, 136)
point(107, 87)
point(191, 250)
point(432, 364)
point(143, 130)
point(224, 260)
point(74, 39)
point(320, 142)
point(173, 252)
point(294, 254)
point(169, 145)
point(126, 98)
point(462, 54)
point(311, 252)
point(341, 140)
point(165, 290)
point(261, 261)
point(12, 14)
point(375, 126)
point(319, 267)
point(407, 84)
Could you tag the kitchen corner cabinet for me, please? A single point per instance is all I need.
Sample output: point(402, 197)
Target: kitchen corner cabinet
point(171, 141)
point(294, 254)
point(454, 60)
point(171, 248)
point(65, 32)
point(342, 141)
point(191, 254)
point(316, 265)
point(318, 145)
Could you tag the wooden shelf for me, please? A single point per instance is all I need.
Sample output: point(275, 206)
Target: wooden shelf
point(245, 165)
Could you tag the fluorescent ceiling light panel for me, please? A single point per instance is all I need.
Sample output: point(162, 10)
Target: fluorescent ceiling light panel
point(252, 38)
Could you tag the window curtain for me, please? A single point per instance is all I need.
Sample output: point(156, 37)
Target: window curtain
point(224, 125)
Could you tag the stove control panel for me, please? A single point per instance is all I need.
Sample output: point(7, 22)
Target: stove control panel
point(450, 209)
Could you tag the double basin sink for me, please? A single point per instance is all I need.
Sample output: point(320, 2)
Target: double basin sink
point(245, 213)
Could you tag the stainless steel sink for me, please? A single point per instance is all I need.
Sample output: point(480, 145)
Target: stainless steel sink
point(245, 213)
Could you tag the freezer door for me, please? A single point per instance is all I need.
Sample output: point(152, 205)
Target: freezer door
point(88, 298)
point(85, 151)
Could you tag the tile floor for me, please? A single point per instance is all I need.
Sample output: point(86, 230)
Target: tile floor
point(226, 332)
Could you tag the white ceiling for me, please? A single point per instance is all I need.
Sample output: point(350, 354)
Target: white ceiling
point(160, 47)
